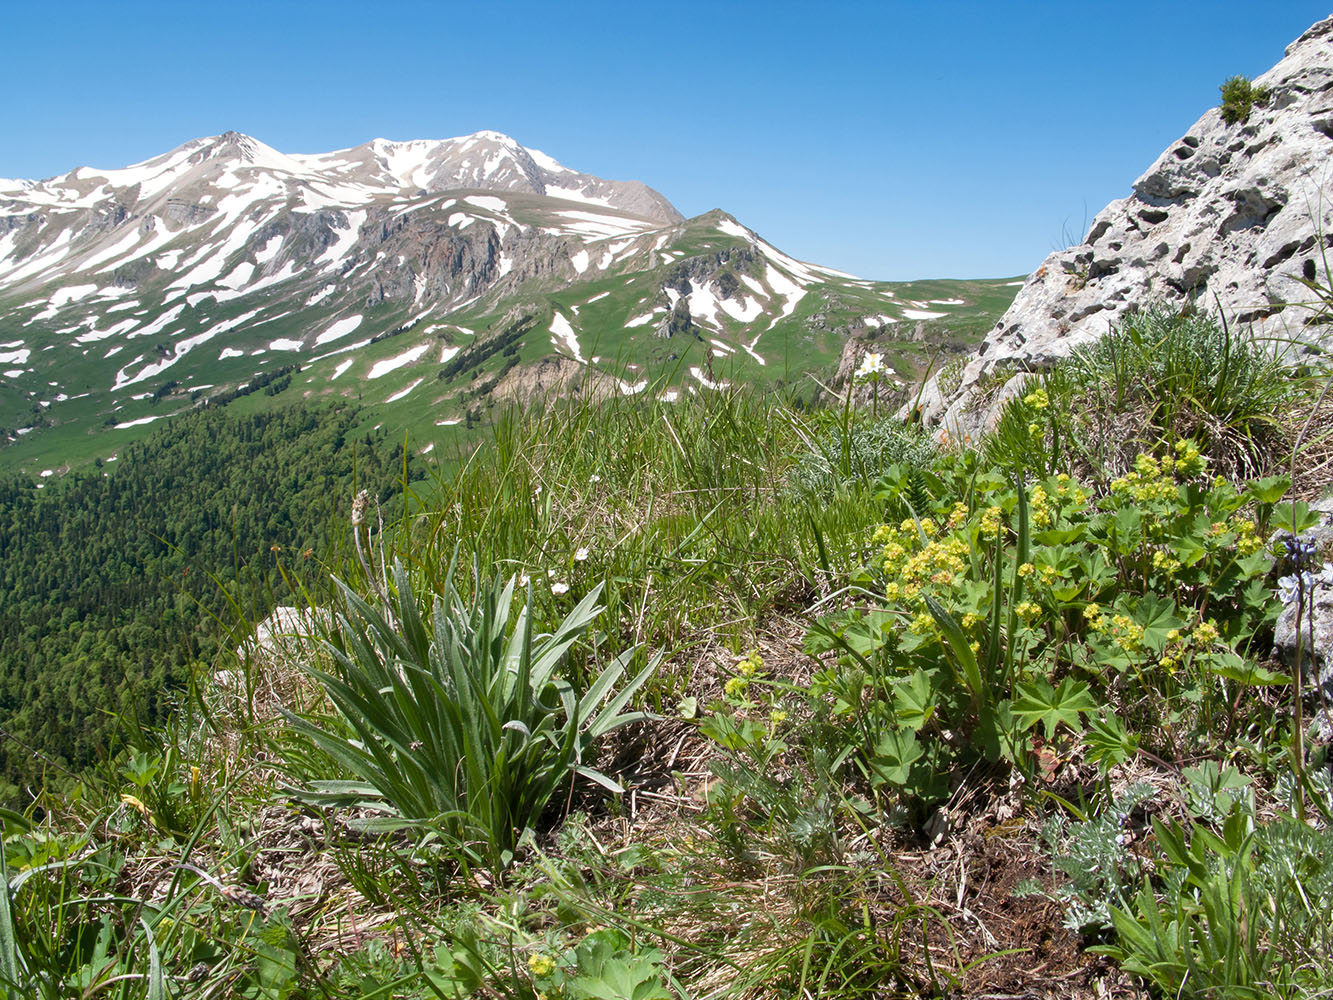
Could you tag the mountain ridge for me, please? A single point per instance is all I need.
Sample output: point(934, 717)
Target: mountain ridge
point(185, 278)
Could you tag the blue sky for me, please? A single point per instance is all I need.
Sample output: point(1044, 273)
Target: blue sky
point(893, 140)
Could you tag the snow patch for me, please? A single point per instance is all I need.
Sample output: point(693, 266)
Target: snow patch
point(486, 202)
point(747, 311)
point(646, 318)
point(345, 241)
point(338, 330)
point(573, 194)
point(399, 395)
point(703, 379)
point(138, 423)
point(265, 253)
point(321, 295)
point(382, 368)
point(733, 228)
point(564, 335)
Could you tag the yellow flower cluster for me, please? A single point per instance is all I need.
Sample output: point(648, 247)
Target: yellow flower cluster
point(541, 965)
point(1027, 610)
point(1203, 635)
point(751, 665)
point(990, 522)
point(1127, 634)
point(1189, 462)
point(957, 516)
point(1146, 483)
point(1040, 507)
point(1154, 479)
point(939, 561)
point(922, 623)
point(1037, 399)
point(1163, 562)
point(1248, 541)
point(1065, 491)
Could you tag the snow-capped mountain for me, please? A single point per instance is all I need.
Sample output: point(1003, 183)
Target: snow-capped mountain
point(395, 270)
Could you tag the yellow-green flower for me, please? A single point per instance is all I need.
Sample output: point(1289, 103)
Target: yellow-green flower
point(1027, 610)
point(922, 623)
point(541, 964)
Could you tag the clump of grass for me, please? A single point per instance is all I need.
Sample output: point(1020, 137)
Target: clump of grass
point(842, 453)
point(681, 509)
point(1160, 376)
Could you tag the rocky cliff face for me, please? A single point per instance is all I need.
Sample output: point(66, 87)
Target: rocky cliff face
point(1229, 218)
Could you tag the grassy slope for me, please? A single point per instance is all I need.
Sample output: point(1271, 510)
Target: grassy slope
point(808, 341)
point(743, 874)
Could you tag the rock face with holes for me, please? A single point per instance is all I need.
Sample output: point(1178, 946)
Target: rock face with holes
point(1230, 216)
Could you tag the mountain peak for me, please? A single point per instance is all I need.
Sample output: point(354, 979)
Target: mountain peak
point(488, 135)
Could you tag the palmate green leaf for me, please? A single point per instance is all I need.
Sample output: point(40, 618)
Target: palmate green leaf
point(914, 698)
point(894, 754)
point(1267, 491)
point(1233, 666)
point(1038, 702)
point(1157, 615)
point(1109, 744)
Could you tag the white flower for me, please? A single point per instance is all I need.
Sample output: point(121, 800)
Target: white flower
point(594, 479)
point(1286, 589)
point(872, 366)
point(580, 555)
point(559, 587)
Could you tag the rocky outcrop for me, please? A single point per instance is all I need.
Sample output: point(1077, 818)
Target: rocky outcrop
point(677, 321)
point(1230, 217)
point(550, 378)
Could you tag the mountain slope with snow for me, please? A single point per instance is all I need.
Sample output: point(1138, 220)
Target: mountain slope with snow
point(397, 273)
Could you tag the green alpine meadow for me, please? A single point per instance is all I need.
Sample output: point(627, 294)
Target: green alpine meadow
point(429, 571)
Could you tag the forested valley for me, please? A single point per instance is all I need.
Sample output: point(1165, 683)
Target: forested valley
point(118, 581)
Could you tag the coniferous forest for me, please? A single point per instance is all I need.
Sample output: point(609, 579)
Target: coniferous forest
point(114, 581)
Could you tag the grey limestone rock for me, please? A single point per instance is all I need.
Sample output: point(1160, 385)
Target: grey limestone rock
point(1230, 216)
